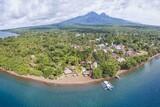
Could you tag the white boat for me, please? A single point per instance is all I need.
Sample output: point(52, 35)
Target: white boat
point(107, 85)
point(117, 77)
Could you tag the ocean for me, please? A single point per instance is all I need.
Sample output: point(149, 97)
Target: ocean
point(4, 34)
point(140, 88)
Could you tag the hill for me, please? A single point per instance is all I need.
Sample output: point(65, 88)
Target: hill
point(92, 18)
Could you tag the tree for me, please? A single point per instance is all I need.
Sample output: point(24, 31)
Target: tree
point(109, 67)
point(130, 62)
point(47, 71)
point(97, 73)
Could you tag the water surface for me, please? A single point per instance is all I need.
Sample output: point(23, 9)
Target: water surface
point(4, 34)
point(136, 89)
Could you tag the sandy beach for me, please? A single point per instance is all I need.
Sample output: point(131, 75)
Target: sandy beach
point(77, 80)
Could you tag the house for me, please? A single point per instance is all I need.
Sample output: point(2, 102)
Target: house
point(87, 67)
point(91, 41)
point(107, 49)
point(84, 63)
point(98, 39)
point(130, 53)
point(32, 61)
point(95, 50)
point(67, 71)
point(141, 53)
point(106, 44)
point(119, 47)
point(101, 46)
point(76, 46)
point(85, 72)
point(33, 57)
point(77, 35)
point(94, 65)
point(114, 55)
point(121, 59)
point(89, 62)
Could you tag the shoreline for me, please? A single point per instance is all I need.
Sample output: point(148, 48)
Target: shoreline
point(79, 80)
point(121, 72)
point(83, 81)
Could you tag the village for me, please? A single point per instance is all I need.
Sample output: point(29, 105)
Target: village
point(119, 52)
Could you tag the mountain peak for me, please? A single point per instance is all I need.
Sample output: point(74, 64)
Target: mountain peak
point(92, 13)
point(92, 18)
point(103, 14)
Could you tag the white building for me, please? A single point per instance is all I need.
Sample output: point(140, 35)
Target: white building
point(101, 46)
point(119, 47)
point(121, 60)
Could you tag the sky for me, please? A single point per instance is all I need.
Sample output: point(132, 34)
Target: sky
point(22, 13)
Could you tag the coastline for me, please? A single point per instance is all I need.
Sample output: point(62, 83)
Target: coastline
point(121, 72)
point(80, 80)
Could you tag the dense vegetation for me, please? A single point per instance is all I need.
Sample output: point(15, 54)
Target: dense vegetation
point(48, 53)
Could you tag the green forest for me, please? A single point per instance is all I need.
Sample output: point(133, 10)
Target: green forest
point(48, 53)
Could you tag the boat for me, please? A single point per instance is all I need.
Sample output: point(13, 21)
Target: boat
point(117, 77)
point(107, 85)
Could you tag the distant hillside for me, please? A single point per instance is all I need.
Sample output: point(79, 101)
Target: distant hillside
point(91, 22)
point(93, 18)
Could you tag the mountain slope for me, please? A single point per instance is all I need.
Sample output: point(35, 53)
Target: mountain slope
point(93, 18)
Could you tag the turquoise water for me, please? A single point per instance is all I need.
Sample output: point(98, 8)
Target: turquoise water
point(4, 34)
point(136, 89)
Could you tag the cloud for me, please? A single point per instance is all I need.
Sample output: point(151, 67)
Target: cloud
point(20, 13)
point(142, 11)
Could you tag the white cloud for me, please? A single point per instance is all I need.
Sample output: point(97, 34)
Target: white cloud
point(142, 11)
point(18, 13)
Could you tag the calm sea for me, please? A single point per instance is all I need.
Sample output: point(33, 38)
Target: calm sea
point(4, 34)
point(137, 89)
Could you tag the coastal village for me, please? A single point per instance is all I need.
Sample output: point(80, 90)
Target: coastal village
point(75, 56)
point(79, 53)
point(118, 51)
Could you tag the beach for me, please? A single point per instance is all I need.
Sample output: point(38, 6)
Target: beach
point(121, 72)
point(132, 90)
point(76, 80)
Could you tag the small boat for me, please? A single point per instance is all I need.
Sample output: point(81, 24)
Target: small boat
point(107, 85)
point(117, 77)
